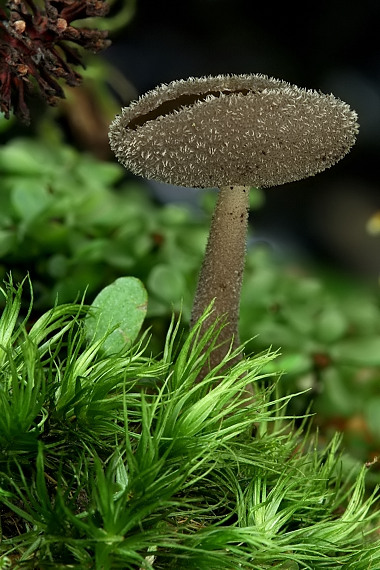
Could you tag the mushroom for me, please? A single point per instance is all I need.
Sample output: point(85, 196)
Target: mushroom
point(230, 132)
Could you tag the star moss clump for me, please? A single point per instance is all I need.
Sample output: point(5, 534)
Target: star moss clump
point(119, 460)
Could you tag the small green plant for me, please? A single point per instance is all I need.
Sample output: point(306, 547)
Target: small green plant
point(328, 339)
point(70, 222)
point(117, 459)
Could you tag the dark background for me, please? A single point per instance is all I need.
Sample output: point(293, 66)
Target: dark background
point(331, 46)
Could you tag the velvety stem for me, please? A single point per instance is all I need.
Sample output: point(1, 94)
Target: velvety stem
point(221, 274)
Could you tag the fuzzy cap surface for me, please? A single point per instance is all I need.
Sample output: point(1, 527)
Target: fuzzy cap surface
point(246, 130)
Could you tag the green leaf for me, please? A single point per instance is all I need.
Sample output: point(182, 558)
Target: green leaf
point(166, 283)
point(100, 173)
point(8, 241)
point(29, 199)
point(292, 363)
point(337, 397)
point(17, 158)
point(57, 265)
point(9, 317)
point(331, 325)
point(372, 414)
point(358, 351)
point(121, 308)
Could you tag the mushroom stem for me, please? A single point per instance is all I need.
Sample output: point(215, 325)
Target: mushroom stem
point(221, 273)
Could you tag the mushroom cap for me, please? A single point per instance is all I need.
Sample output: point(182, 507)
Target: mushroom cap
point(246, 130)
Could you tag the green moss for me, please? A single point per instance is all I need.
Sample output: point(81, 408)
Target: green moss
point(122, 460)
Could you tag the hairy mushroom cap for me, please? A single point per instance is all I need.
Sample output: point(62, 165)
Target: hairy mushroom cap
point(247, 130)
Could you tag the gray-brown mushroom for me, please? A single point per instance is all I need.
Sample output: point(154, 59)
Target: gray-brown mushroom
point(230, 132)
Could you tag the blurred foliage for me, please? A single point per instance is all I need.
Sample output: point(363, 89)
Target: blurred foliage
point(327, 327)
point(75, 224)
point(70, 221)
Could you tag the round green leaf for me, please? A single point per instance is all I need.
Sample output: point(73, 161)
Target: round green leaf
point(331, 325)
point(337, 397)
point(166, 283)
point(120, 307)
point(29, 199)
point(372, 414)
point(16, 157)
point(8, 240)
point(358, 351)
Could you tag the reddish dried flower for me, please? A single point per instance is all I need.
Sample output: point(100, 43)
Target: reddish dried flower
point(34, 49)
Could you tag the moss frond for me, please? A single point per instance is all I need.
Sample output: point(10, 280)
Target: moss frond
point(124, 461)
